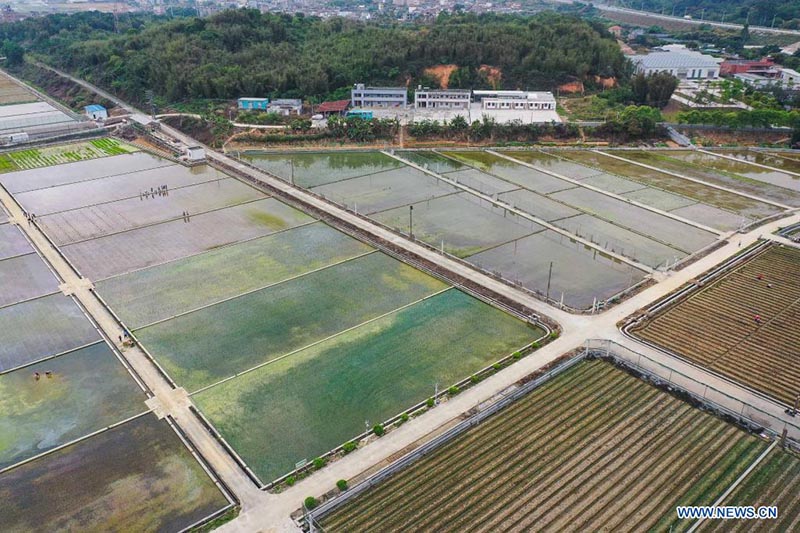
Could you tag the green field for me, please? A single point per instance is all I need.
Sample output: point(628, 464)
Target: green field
point(66, 153)
point(303, 405)
point(153, 294)
point(592, 449)
point(776, 481)
point(135, 477)
point(88, 390)
point(267, 324)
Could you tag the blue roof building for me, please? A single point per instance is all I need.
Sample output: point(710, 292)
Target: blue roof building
point(253, 103)
point(96, 112)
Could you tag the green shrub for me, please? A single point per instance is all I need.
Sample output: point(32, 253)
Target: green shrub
point(430, 402)
point(319, 462)
point(342, 485)
point(497, 366)
point(452, 391)
point(474, 379)
point(310, 502)
point(517, 355)
point(535, 345)
point(378, 429)
point(554, 334)
point(291, 480)
point(404, 418)
point(348, 447)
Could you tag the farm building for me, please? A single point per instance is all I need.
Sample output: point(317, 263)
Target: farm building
point(96, 112)
point(195, 153)
point(362, 96)
point(286, 106)
point(682, 63)
point(253, 103)
point(425, 98)
point(337, 107)
point(516, 100)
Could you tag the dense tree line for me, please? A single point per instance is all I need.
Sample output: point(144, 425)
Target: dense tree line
point(244, 52)
point(758, 12)
point(759, 118)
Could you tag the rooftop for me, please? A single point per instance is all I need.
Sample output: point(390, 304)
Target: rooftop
point(337, 106)
point(667, 60)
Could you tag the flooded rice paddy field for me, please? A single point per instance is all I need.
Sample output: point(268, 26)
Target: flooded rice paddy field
point(247, 285)
point(74, 451)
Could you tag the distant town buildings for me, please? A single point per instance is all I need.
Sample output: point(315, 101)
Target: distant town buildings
point(248, 103)
point(425, 98)
point(378, 97)
point(679, 61)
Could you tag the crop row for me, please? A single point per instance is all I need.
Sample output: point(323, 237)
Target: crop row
point(563, 453)
point(775, 482)
point(29, 159)
point(744, 325)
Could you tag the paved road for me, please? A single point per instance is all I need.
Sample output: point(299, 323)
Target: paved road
point(270, 512)
point(659, 16)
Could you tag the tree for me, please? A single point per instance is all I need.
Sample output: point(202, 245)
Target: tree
point(660, 87)
point(14, 53)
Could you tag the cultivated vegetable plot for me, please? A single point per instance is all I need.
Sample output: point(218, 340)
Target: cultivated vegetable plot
point(136, 477)
point(301, 406)
point(87, 390)
point(775, 482)
point(741, 326)
point(593, 449)
point(12, 93)
point(153, 294)
point(65, 153)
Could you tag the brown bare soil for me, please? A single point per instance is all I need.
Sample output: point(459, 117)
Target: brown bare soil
point(492, 74)
point(441, 73)
point(572, 87)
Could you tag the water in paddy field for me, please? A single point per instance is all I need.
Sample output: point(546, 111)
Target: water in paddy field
point(723, 164)
point(314, 169)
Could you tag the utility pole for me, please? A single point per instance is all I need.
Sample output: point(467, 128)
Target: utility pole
point(773, 20)
point(436, 393)
point(411, 221)
point(549, 277)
